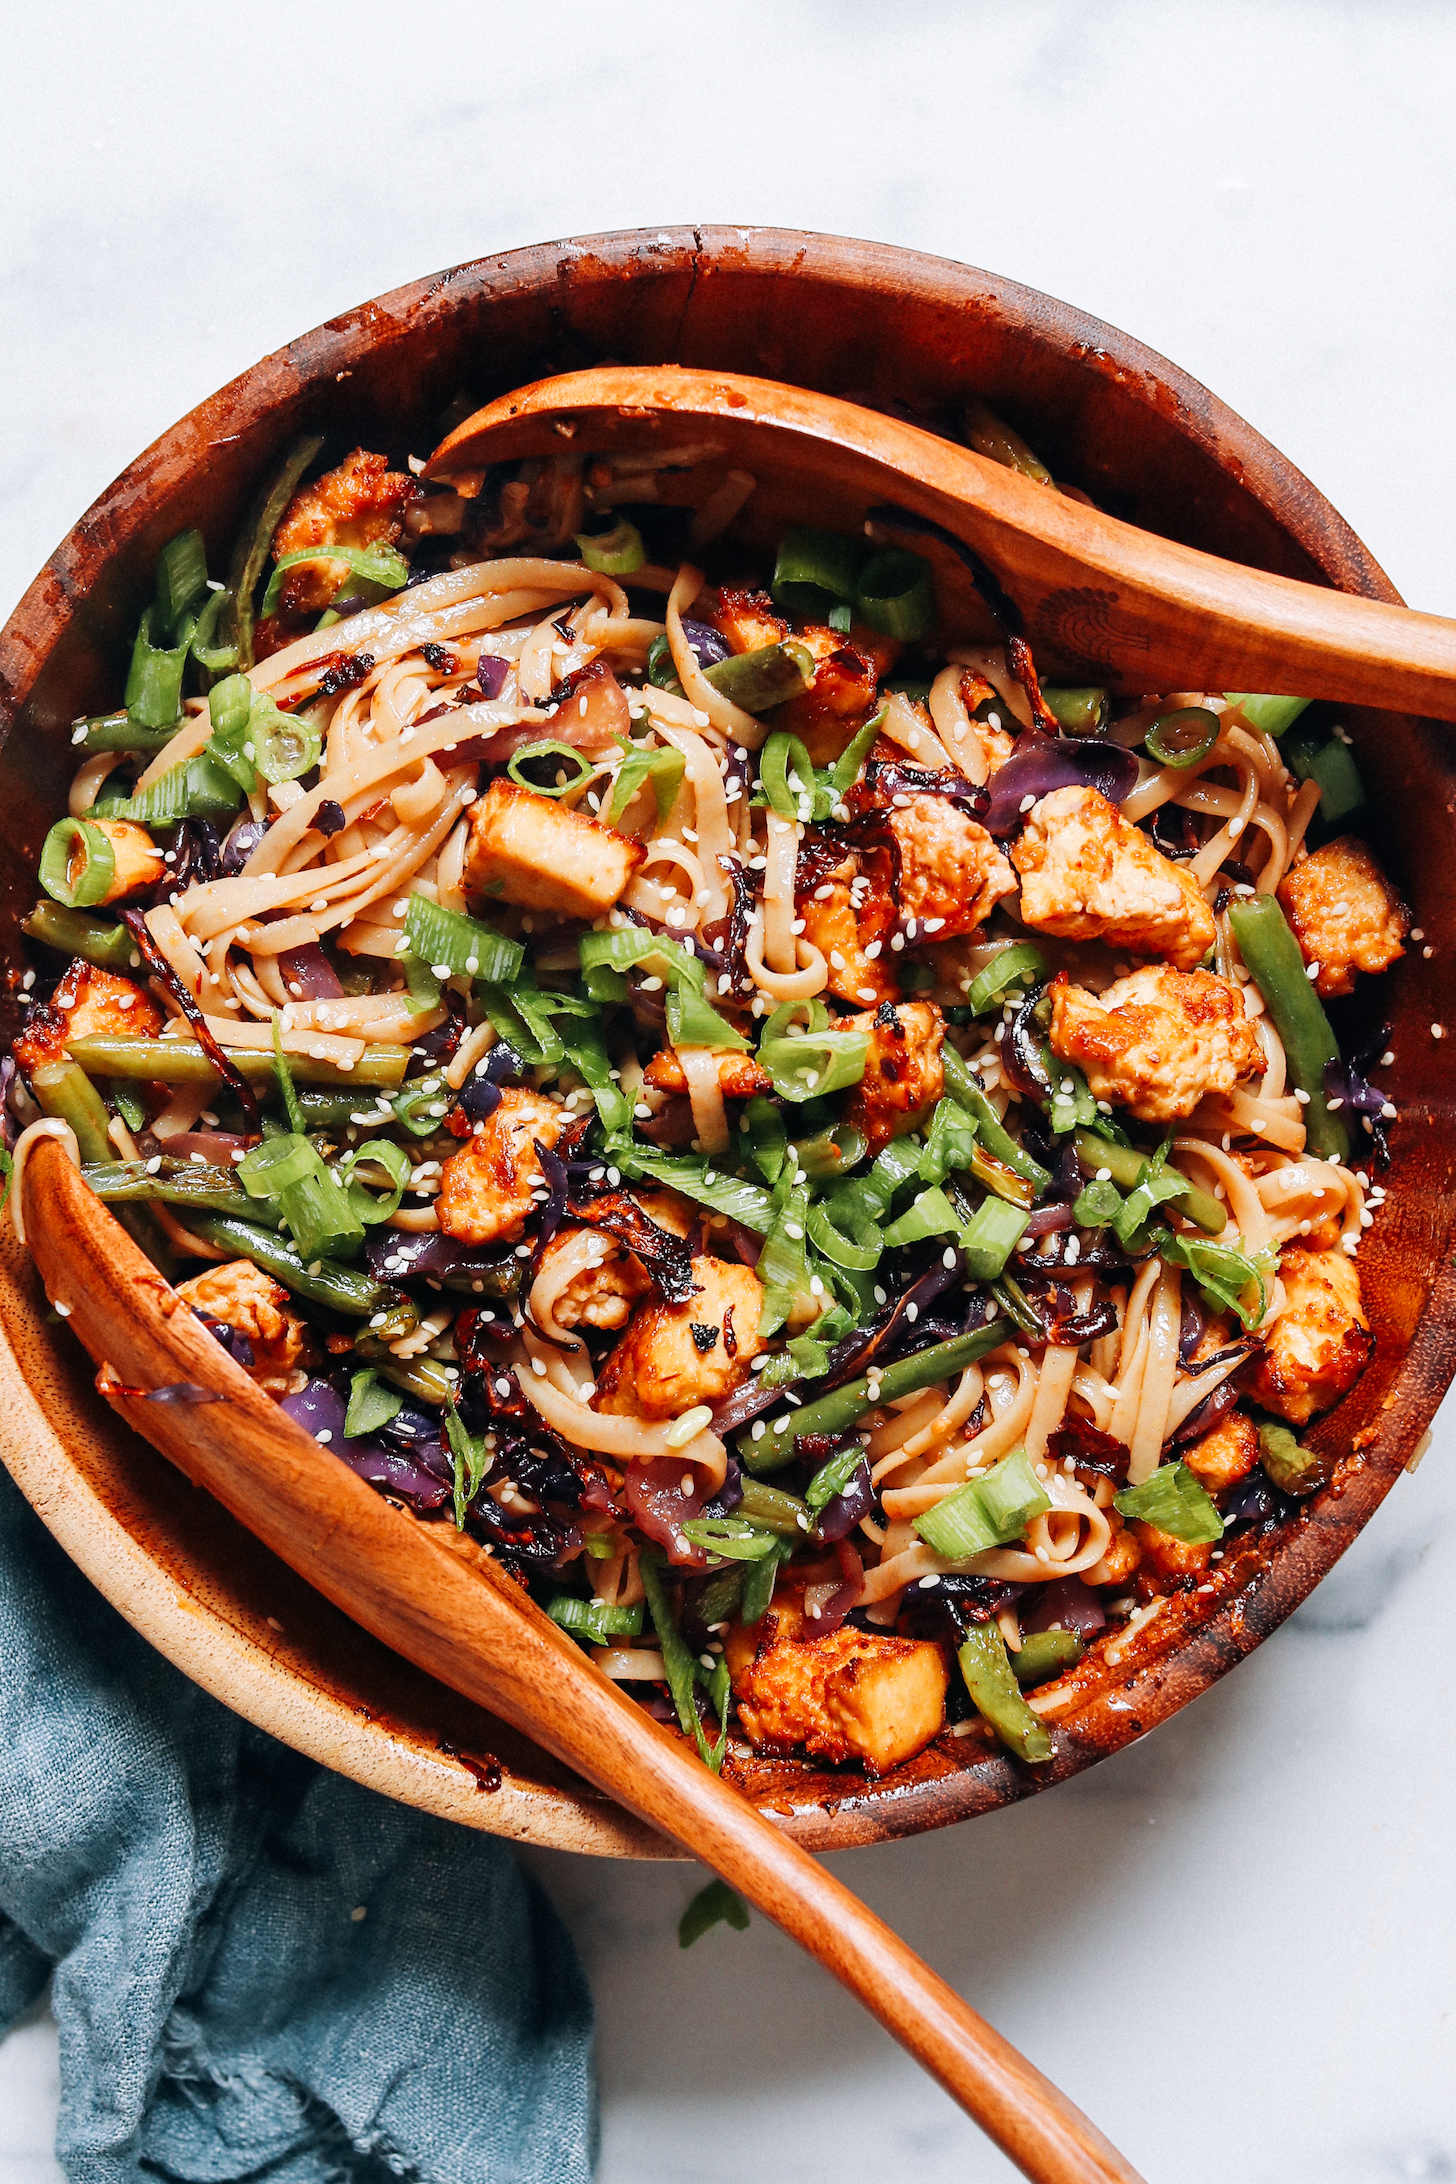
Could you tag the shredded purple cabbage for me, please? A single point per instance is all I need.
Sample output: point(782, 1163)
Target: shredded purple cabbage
point(1349, 1082)
point(490, 675)
point(239, 846)
point(709, 646)
point(1040, 764)
point(319, 1408)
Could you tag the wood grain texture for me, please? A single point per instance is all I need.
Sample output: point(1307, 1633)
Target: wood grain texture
point(1097, 596)
point(871, 324)
point(434, 1596)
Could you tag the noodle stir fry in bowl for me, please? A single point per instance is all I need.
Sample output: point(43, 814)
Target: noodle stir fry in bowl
point(823, 1151)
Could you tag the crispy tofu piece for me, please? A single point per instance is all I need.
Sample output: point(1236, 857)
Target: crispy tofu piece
point(87, 1004)
point(1169, 1557)
point(952, 875)
point(853, 1695)
point(1086, 874)
point(904, 1074)
point(249, 1301)
point(1320, 1342)
point(603, 1296)
point(139, 864)
point(530, 850)
point(1229, 1453)
point(847, 671)
point(848, 912)
point(740, 1076)
point(485, 1188)
point(1345, 914)
point(749, 619)
point(1156, 1042)
point(361, 503)
point(675, 1356)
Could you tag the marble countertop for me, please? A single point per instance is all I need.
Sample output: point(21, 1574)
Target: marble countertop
point(1234, 1944)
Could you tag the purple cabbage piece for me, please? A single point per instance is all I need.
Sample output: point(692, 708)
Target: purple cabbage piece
point(709, 645)
point(729, 1494)
point(398, 1255)
point(1190, 1328)
point(1040, 764)
point(239, 847)
point(838, 1518)
point(1256, 1500)
point(1350, 1083)
point(238, 1346)
point(1070, 1603)
point(490, 674)
point(183, 1391)
point(319, 1409)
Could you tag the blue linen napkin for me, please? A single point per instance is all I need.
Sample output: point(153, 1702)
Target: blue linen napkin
point(258, 1965)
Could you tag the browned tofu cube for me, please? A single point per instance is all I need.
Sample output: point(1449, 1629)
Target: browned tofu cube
point(137, 861)
point(89, 1003)
point(675, 1356)
point(530, 850)
point(852, 1695)
point(1318, 1346)
point(1221, 1458)
point(486, 1189)
point(905, 1073)
point(241, 1296)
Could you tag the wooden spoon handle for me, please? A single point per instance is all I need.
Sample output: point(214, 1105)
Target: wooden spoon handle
point(1098, 595)
point(445, 1605)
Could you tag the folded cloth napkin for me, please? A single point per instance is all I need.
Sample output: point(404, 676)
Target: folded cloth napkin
point(258, 1966)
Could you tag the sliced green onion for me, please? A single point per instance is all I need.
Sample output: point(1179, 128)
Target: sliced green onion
point(370, 1405)
point(785, 1515)
point(661, 672)
point(420, 1108)
point(633, 947)
point(181, 577)
point(759, 680)
point(395, 1161)
point(783, 1265)
point(810, 1067)
point(686, 1172)
point(435, 935)
point(1294, 1470)
point(896, 595)
point(1333, 767)
point(257, 536)
point(768, 1139)
point(664, 769)
point(682, 1669)
point(849, 765)
point(1268, 716)
point(758, 1586)
point(989, 1238)
point(986, 1513)
point(119, 732)
point(783, 754)
point(534, 753)
point(1172, 1501)
point(1233, 1281)
point(1155, 1185)
point(1079, 712)
point(815, 571)
point(932, 1214)
point(198, 788)
point(841, 619)
point(832, 1478)
point(997, 1696)
point(1183, 737)
point(613, 553)
point(319, 1215)
point(1018, 964)
point(693, 1022)
point(375, 564)
point(1044, 1655)
point(214, 640)
point(469, 1456)
point(1097, 1204)
point(586, 1050)
point(860, 1256)
point(964, 1085)
point(230, 704)
point(729, 1537)
point(830, 1154)
point(109, 947)
point(285, 745)
point(1125, 1165)
point(74, 846)
point(154, 679)
point(271, 1166)
point(950, 1142)
point(596, 1620)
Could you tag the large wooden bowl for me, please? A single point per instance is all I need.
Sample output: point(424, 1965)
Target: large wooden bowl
point(849, 318)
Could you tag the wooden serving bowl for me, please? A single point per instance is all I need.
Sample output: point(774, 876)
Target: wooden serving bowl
point(848, 318)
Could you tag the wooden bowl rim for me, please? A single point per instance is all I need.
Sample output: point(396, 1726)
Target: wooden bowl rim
point(276, 1693)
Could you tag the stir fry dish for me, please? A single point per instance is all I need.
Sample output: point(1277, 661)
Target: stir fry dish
point(825, 1156)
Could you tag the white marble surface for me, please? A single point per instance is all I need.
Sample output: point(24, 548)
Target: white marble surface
point(1235, 1943)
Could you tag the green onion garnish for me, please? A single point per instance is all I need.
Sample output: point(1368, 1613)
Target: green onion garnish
point(729, 1537)
point(986, 1513)
point(1267, 715)
point(714, 1905)
point(154, 679)
point(816, 571)
point(989, 1238)
point(181, 579)
point(896, 595)
point(1079, 712)
point(820, 1062)
point(596, 1620)
point(1183, 737)
point(1172, 1501)
point(692, 1022)
point(664, 769)
point(756, 681)
point(532, 754)
point(613, 553)
point(77, 863)
point(453, 944)
point(371, 1405)
point(374, 564)
point(1018, 964)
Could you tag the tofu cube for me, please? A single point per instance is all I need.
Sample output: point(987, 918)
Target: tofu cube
point(530, 850)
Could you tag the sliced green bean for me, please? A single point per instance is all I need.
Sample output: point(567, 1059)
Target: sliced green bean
point(761, 679)
point(1045, 1654)
point(1274, 960)
point(343, 1289)
point(118, 732)
point(183, 1061)
point(257, 536)
point(1125, 1163)
point(772, 1510)
point(842, 1408)
point(65, 1091)
point(109, 947)
point(997, 1696)
point(425, 1378)
point(176, 1183)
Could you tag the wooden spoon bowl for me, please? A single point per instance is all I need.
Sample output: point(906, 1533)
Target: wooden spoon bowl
point(872, 324)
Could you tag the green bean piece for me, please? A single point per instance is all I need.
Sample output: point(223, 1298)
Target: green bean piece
point(118, 732)
point(764, 678)
point(1080, 712)
point(183, 1061)
point(772, 1510)
point(964, 1085)
point(65, 1091)
point(257, 536)
point(989, 436)
point(842, 1408)
point(719, 1598)
point(109, 947)
point(154, 680)
point(176, 1183)
point(997, 1696)
point(1273, 956)
point(1125, 1164)
point(343, 1289)
point(1294, 1470)
point(425, 1378)
point(1046, 1654)
point(759, 1579)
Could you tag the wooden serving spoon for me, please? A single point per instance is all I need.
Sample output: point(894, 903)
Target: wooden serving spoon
point(1096, 597)
point(436, 1598)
